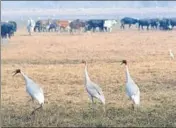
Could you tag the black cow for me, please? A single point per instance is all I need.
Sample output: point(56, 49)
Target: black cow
point(127, 20)
point(42, 25)
point(7, 29)
point(144, 22)
point(14, 25)
point(154, 23)
point(93, 24)
point(164, 24)
point(53, 26)
point(37, 26)
point(172, 22)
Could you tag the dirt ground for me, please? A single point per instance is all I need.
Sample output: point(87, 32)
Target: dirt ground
point(54, 61)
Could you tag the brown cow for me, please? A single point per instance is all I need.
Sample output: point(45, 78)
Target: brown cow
point(63, 24)
point(77, 25)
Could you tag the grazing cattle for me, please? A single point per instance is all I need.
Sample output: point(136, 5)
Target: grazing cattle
point(154, 23)
point(77, 25)
point(127, 20)
point(53, 26)
point(7, 29)
point(108, 24)
point(37, 26)
point(93, 24)
point(14, 25)
point(30, 26)
point(173, 22)
point(63, 25)
point(164, 24)
point(144, 22)
point(42, 25)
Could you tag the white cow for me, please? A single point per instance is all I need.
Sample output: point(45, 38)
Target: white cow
point(30, 26)
point(108, 24)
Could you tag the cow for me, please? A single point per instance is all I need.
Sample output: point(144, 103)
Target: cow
point(93, 24)
point(53, 26)
point(30, 26)
point(172, 22)
point(63, 25)
point(14, 25)
point(7, 30)
point(154, 23)
point(144, 22)
point(108, 24)
point(165, 24)
point(77, 25)
point(37, 26)
point(42, 25)
point(127, 20)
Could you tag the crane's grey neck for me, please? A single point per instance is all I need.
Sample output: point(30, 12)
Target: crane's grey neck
point(86, 74)
point(128, 77)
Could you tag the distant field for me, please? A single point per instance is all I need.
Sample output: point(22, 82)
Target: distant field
point(54, 61)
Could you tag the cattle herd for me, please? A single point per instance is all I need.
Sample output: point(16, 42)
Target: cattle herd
point(153, 23)
point(71, 26)
point(103, 25)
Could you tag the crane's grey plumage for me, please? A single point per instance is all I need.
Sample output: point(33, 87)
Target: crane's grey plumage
point(94, 91)
point(32, 89)
point(132, 89)
point(171, 54)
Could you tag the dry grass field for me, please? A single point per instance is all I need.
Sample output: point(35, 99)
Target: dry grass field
point(54, 61)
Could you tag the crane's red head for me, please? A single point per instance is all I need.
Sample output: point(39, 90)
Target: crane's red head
point(16, 71)
point(124, 62)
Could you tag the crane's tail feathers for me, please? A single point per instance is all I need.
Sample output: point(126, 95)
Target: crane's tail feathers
point(40, 98)
point(101, 97)
point(136, 99)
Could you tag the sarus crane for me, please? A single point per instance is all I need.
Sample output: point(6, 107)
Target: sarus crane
point(32, 89)
point(93, 90)
point(132, 89)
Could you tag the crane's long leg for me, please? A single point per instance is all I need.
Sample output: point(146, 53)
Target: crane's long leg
point(92, 103)
point(133, 107)
point(37, 109)
point(32, 99)
point(93, 106)
point(104, 109)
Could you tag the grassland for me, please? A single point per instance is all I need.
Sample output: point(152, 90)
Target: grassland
point(54, 61)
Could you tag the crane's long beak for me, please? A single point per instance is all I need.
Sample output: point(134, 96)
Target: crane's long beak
point(14, 73)
point(120, 62)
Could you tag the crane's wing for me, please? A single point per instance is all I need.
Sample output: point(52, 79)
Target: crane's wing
point(35, 91)
point(131, 88)
point(97, 88)
point(95, 91)
point(172, 55)
point(136, 98)
point(33, 88)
